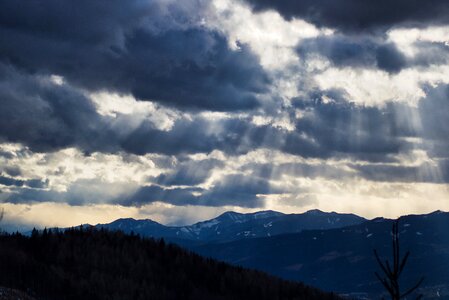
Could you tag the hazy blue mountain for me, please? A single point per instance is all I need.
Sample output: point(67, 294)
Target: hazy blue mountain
point(232, 226)
point(342, 259)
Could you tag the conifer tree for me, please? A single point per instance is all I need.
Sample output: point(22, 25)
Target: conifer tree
point(2, 213)
point(392, 272)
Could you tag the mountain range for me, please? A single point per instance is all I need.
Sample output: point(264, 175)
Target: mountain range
point(331, 251)
point(342, 259)
point(231, 226)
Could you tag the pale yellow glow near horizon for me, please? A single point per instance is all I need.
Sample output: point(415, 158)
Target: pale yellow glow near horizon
point(52, 214)
point(366, 199)
point(100, 177)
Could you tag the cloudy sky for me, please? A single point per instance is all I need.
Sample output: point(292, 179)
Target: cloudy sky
point(180, 110)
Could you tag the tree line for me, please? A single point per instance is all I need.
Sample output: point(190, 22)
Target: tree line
point(98, 264)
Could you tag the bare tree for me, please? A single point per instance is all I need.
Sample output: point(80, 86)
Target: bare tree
point(392, 272)
point(2, 213)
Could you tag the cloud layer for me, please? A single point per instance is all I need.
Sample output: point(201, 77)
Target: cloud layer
point(153, 50)
point(223, 104)
point(361, 15)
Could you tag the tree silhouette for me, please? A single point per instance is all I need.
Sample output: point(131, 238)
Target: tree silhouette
point(392, 273)
point(2, 213)
point(102, 265)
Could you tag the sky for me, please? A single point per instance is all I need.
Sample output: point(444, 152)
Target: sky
point(180, 110)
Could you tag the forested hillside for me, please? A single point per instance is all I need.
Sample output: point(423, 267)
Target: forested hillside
point(98, 264)
point(342, 260)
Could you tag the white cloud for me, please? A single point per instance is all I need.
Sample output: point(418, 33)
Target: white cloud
point(269, 35)
point(69, 166)
point(133, 111)
point(101, 177)
point(405, 38)
point(375, 87)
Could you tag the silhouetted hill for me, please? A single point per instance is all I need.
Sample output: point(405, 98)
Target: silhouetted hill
point(98, 264)
point(342, 259)
point(11, 294)
point(232, 226)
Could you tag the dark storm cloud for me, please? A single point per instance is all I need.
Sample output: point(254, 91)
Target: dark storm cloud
point(232, 190)
point(29, 195)
point(443, 168)
point(240, 190)
point(360, 15)
point(235, 189)
point(431, 53)
point(434, 113)
point(374, 134)
point(13, 171)
point(149, 194)
point(201, 135)
point(45, 116)
point(186, 136)
point(152, 51)
point(31, 183)
point(348, 130)
point(335, 129)
point(78, 192)
point(389, 58)
point(37, 183)
point(138, 48)
point(276, 171)
point(372, 52)
point(8, 181)
point(189, 173)
point(425, 172)
point(324, 130)
point(6, 154)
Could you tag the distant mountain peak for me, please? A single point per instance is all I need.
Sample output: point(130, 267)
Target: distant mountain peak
point(229, 213)
point(315, 212)
point(241, 217)
point(132, 220)
point(125, 220)
point(267, 213)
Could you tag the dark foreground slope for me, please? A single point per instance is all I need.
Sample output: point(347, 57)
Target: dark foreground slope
point(11, 294)
point(93, 264)
point(342, 260)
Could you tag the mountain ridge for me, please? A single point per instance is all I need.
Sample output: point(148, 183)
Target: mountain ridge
point(342, 260)
point(232, 225)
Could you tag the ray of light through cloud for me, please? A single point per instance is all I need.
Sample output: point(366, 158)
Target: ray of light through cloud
point(181, 111)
